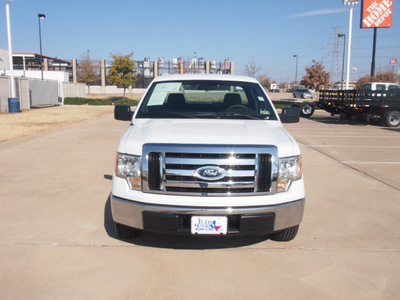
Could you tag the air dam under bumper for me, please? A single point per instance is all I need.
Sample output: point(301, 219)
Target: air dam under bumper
point(176, 219)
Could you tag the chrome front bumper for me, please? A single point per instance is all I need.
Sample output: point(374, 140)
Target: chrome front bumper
point(174, 218)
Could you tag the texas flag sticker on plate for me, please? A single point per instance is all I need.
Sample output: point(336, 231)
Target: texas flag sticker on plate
point(209, 225)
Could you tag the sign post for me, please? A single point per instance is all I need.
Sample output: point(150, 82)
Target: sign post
point(376, 14)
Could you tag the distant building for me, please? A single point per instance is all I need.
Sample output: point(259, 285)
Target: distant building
point(338, 85)
point(28, 65)
point(33, 61)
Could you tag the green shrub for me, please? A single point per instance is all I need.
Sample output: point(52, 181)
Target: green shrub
point(108, 101)
point(99, 102)
point(114, 99)
point(75, 101)
point(127, 102)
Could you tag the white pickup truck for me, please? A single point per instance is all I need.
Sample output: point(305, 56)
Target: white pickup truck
point(207, 154)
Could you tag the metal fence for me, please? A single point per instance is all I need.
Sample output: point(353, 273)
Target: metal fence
point(144, 69)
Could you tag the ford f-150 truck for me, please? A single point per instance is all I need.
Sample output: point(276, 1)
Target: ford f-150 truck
point(207, 154)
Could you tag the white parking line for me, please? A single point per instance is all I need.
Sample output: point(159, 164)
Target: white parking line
point(372, 162)
point(347, 136)
point(326, 128)
point(353, 146)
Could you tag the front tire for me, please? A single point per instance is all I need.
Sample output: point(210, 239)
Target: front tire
point(306, 110)
point(285, 235)
point(391, 119)
point(125, 232)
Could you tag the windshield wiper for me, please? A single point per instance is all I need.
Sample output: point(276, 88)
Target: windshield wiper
point(221, 115)
point(161, 114)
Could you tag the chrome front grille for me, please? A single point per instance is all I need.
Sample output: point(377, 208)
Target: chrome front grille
point(173, 169)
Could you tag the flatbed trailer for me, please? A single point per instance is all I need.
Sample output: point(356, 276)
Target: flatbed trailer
point(369, 106)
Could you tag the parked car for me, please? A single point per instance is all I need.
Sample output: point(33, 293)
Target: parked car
point(207, 154)
point(303, 93)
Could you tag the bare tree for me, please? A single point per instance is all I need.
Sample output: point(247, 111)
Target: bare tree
point(87, 72)
point(251, 69)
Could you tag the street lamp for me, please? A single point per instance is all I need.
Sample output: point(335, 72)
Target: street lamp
point(344, 50)
point(41, 16)
point(10, 49)
point(295, 76)
point(351, 3)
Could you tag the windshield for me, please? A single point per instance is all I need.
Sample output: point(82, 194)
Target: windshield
point(206, 99)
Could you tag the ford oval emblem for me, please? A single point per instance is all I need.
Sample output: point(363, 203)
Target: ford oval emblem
point(210, 173)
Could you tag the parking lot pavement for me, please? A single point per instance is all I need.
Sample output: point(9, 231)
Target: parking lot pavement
point(57, 240)
point(370, 149)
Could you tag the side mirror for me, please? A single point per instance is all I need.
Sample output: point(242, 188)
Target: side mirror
point(123, 112)
point(290, 115)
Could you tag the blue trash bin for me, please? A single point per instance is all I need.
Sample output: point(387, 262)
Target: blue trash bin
point(13, 105)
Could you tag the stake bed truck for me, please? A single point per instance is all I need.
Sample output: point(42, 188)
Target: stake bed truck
point(379, 105)
point(377, 102)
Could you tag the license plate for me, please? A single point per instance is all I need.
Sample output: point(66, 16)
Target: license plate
point(209, 225)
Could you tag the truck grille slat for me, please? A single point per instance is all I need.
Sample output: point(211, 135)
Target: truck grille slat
point(208, 191)
point(264, 180)
point(211, 161)
point(154, 171)
point(221, 185)
point(174, 169)
point(229, 173)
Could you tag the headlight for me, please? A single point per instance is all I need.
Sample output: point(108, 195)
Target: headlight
point(130, 168)
point(289, 170)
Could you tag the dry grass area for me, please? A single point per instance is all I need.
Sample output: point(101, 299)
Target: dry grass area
point(33, 121)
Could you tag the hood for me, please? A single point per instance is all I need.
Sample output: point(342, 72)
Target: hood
point(207, 131)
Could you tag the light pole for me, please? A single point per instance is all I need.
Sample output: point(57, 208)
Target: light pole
point(41, 16)
point(10, 49)
point(351, 3)
point(295, 76)
point(344, 50)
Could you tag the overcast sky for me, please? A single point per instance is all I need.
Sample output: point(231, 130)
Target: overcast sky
point(270, 32)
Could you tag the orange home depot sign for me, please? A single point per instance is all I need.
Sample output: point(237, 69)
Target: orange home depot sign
point(376, 13)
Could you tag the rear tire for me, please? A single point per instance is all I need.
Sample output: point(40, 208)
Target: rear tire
point(391, 119)
point(125, 232)
point(285, 235)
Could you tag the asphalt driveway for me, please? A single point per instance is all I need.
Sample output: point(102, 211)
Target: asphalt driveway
point(57, 240)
